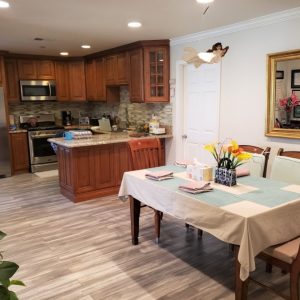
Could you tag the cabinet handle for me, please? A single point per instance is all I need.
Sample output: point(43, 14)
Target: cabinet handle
point(184, 136)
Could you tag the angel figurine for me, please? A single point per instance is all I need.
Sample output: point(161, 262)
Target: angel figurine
point(192, 56)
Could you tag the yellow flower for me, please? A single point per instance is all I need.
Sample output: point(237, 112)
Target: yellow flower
point(210, 147)
point(244, 156)
point(235, 145)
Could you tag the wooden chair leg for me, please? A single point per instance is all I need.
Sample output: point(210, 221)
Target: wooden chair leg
point(231, 247)
point(200, 233)
point(269, 268)
point(157, 219)
point(294, 280)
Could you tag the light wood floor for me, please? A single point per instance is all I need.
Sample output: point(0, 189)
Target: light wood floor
point(83, 251)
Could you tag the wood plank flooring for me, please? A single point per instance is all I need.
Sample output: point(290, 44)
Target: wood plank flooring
point(83, 251)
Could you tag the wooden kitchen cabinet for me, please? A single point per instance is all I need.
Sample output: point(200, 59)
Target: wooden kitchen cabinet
point(12, 81)
point(62, 81)
point(70, 81)
point(116, 69)
point(122, 160)
point(104, 166)
point(19, 152)
point(149, 74)
point(95, 84)
point(31, 69)
point(136, 82)
point(90, 172)
point(156, 76)
point(77, 81)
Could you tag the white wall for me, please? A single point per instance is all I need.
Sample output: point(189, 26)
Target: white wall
point(244, 79)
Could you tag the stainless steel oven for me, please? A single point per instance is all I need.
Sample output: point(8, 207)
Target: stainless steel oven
point(42, 156)
point(40, 129)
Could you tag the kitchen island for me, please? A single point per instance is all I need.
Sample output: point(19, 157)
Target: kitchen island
point(94, 167)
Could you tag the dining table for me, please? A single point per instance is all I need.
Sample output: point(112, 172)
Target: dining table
point(254, 214)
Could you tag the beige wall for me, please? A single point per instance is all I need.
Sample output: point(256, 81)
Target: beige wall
point(243, 79)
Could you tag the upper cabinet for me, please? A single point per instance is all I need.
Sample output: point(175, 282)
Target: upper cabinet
point(143, 66)
point(62, 80)
point(116, 69)
point(77, 81)
point(149, 74)
point(156, 74)
point(136, 82)
point(95, 83)
point(12, 81)
point(36, 69)
point(70, 80)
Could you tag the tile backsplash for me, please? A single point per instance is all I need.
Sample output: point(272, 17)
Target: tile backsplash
point(132, 113)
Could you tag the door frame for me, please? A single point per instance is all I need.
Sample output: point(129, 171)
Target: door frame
point(178, 110)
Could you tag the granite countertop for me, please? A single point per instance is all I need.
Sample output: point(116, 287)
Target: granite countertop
point(101, 139)
point(17, 130)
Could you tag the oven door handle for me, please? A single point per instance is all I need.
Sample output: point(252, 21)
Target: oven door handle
point(42, 136)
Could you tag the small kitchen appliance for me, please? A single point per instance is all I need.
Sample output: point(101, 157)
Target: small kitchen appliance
point(66, 117)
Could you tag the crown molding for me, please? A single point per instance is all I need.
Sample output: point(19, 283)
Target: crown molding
point(240, 26)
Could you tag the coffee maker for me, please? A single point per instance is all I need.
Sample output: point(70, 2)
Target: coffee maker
point(66, 117)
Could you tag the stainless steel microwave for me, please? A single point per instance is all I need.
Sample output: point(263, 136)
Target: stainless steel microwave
point(38, 90)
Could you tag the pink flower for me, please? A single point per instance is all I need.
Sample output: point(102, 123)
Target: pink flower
point(289, 103)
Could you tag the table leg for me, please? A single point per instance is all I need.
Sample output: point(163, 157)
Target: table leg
point(241, 287)
point(157, 220)
point(135, 209)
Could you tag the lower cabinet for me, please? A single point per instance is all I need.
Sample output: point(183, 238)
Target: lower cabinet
point(19, 152)
point(90, 172)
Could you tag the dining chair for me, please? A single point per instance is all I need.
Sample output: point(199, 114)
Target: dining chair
point(285, 256)
point(259, 163)
point(286, 168)
point(293, 154)
point(146, 153)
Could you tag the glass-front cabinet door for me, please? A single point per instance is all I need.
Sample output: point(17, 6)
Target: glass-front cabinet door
point(157, 68)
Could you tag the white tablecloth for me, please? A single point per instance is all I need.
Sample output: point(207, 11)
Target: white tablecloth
point(255, 214)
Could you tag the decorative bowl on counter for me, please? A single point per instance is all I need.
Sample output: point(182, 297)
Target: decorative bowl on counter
point(97, 130)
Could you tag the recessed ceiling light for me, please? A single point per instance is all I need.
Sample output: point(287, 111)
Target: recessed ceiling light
point(205, 1)
point(134, 24)
point(85, 46)
point(4, 4)
point(64, 53)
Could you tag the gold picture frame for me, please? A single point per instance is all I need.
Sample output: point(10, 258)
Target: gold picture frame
point(276, 62)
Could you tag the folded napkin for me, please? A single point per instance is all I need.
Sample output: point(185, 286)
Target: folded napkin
point(196, 187)
point(242, 172)
point(159, 175)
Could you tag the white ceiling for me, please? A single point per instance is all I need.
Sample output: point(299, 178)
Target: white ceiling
point(66, 24)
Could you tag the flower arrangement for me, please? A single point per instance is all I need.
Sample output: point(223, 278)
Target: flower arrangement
point(228, 156)
point(289, 103)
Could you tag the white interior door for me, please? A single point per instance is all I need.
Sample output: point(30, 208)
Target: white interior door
point(201, 110)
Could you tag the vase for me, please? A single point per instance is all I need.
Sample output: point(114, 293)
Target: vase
point(288, 118)
point(225, 176)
